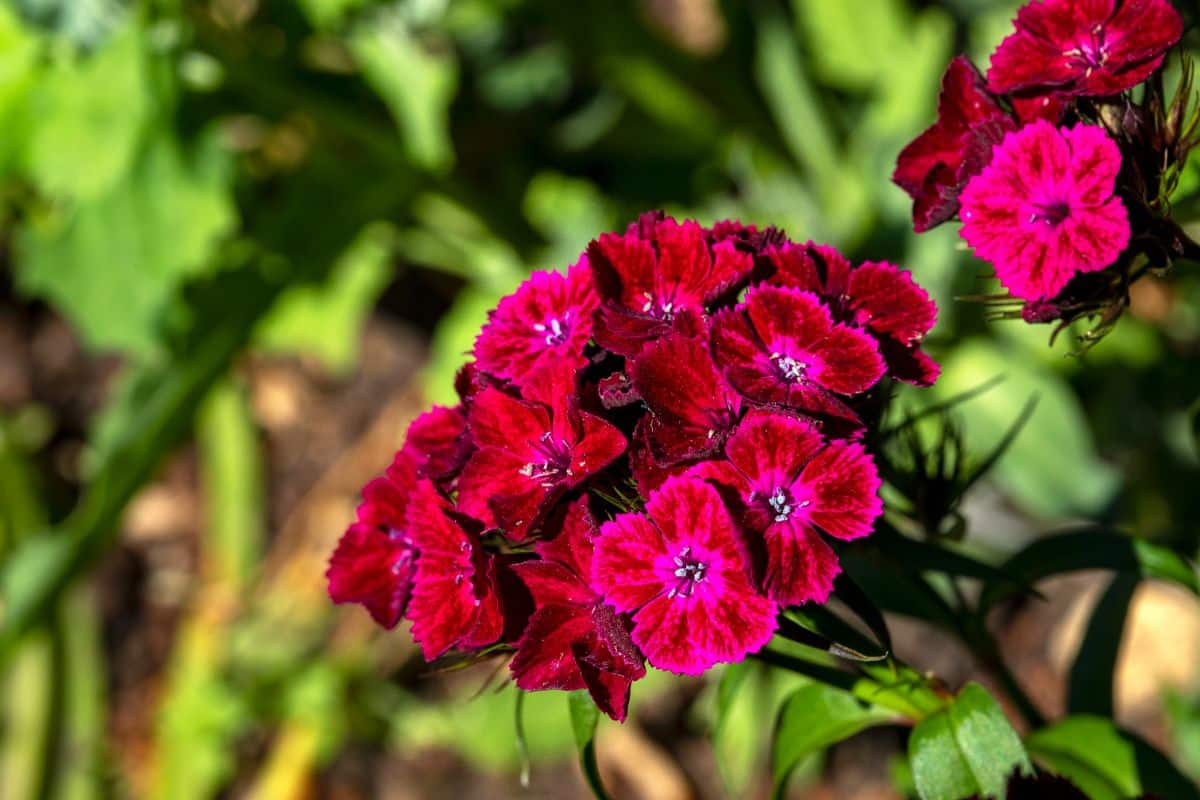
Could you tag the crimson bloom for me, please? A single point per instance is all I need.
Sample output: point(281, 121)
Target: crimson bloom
point(936, 165)
point(692, 408)
point(455, 602)
point(657, 277)
point(574, 640)
point(876, 296)
point(531, 449)
point(548, 320)
point(680, 570)
point(1045, 210)
point(796, 485)
point(375, 561)
point(437, 443)
point(782, 346)
point(1084, 47)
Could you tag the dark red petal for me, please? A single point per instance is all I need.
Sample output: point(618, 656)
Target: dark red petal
point(496, 488)
point(850, 361)
point(684, 263)
point(779, 314)
point(502, 421)
point(887, 300)
point(770, 449)
point(609, 690)
point(679, 382)
point(600, 443)
point(450, 593)
point(962, 103)
point(648, 473)
point(623, 268)
point(551, 582)
point(386, 498)
point(544, 658)
point(572, 546)
point(811, 267)
point(909, 364)
point(842, 484)
point(374, 568)
point(437, 442)
point(800, 567)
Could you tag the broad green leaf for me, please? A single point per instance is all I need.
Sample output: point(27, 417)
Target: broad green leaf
point(113, 263)
point(939, 770)
point(745, 696)
point(326, 321)
point(813, 718)
point(415, 81)
point(90, 113)
point(1092, 548)
point(1057, 434)
point(970, 748)
point(584, 717)
point(1091, 680)
point(1106, 762)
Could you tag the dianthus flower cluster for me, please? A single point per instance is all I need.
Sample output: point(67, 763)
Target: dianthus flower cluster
point(1059, 170)
point(652, 455)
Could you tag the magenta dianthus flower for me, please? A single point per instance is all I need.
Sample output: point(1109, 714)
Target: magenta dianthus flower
point(548, 320)
point(1084, 47)
point(681, 571)
point(876, 296)
point(657, 277)
point(782, 346)
point(1045, 210)
point(530, 450)
point(796, 485)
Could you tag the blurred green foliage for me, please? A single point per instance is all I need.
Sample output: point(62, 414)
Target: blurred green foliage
point(188, 181)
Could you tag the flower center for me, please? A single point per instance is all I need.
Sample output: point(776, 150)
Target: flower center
point(783, 505)
point(790, 369)
point(689, 571)
point(554, 329)
point(557, 463)
point(1091, 50)
point(1051, 214)
point(659, 309)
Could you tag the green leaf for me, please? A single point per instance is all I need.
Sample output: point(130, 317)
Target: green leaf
point(415, 81)
point(326, 321)
point(1056, 434)
point(584, 717)
point(813, 718)
point(113, 263)
point(733, 678)
point(1092, 547)
point(1106, 762)
point(970, 748)
point(1091, 681)
point(90, 114)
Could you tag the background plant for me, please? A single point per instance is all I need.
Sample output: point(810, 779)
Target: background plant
point(194, 187)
